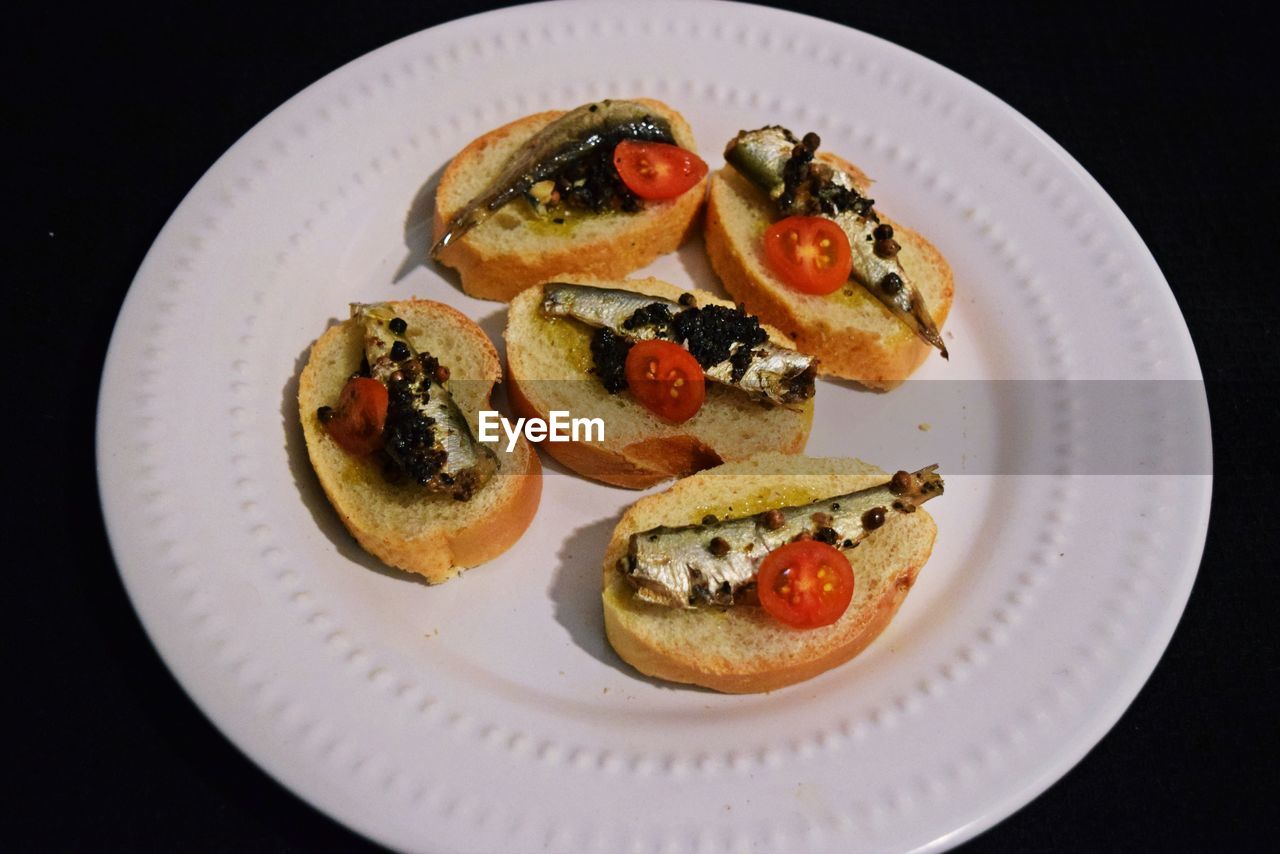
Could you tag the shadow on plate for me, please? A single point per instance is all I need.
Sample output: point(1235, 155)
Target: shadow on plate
point(493, 326)
point(575, 593)
point(692, 256)
point(417, 235)
point(852, 385)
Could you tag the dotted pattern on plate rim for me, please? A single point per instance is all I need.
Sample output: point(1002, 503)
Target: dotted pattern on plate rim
point(1108, 628)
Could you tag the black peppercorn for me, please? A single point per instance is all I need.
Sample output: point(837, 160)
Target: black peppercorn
point(397, 325)
point(325, 414)
point(772, 519)
point(883, 231)
point(399, 351)
point(718, 546)
point(886, 248)
point(873, 518)
point(891, 283)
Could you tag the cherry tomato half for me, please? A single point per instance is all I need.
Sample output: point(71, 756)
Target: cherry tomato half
point(356, 422)
point(805, 584)
point(655, 170)
point(666, 379)
point(809, 253)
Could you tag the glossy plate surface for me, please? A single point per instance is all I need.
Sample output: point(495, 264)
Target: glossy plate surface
point(489, 714)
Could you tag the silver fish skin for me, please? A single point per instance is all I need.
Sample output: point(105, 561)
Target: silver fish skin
point(466, 464)
point(775, 374)
point(574, 135)
point(716, 563)
point(761, 156)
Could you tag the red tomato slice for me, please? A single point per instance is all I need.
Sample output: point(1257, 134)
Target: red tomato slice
point(356, 422)
point(655, 170)
point(809, 253)
point(805, 584)
point(666, 379)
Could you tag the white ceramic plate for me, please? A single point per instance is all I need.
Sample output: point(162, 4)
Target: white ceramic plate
point(489, 714)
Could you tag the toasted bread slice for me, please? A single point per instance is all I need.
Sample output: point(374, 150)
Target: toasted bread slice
point(851, 332)
point(514, 248)
point(742, 649)
point(404, 525)
point(551, 368)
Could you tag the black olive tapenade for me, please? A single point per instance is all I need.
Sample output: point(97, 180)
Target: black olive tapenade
point(592, 185)
point(609, 352)
point(407, 437)
point(713, 334)
point(656, 316)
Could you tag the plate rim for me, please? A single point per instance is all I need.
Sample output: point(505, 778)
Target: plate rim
point(1100, 722)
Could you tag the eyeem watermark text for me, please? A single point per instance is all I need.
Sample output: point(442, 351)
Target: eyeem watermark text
point(561, 428)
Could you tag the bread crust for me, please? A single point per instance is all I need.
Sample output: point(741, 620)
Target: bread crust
point(877, 351)
point(635, 646)
point(491, 270)
point(431, 535)
point(639, 461)
point(638, 465)
point(662, 642)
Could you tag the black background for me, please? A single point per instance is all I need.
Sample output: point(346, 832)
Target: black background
point(112, 115)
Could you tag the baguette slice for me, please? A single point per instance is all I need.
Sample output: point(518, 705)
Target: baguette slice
point(403, 525)
point(742, 649)
point(853, 335)
point(513, 249)
point(550, 364)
